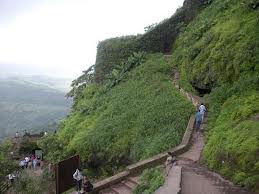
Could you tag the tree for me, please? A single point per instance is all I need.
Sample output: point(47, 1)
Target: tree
point(81, 82)
point(7, 165)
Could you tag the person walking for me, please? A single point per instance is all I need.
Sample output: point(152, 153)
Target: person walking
point(27, 159)
point(170, 162)
point(34, 163)
point(22, 164)
point(78, 178)
point(198, 119)
point(202, 110)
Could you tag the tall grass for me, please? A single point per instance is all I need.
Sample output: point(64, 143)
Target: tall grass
point(219, 45)
point(137, 118)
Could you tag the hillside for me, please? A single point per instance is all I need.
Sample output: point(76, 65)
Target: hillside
point(128, 110)
point(218, 52)
point(117, 125)
point(29, 106)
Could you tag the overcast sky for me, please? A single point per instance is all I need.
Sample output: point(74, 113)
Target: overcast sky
point(59, 37)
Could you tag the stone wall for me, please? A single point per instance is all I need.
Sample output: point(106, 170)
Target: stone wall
point(159, 159)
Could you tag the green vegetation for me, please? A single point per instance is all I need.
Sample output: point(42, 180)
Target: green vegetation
point(7, 165)
point(30, 183)
point(111, 53)
point(159, 38)
point(52, 147)
point(26, 147)
point(219, 45)
point(135, 119)
point(120, 72)
point(150, 181)
point(232, 144)
point(122, 115)
point(218, 51)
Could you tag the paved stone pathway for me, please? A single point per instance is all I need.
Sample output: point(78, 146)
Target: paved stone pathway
point(172, 182)
point(124, 187)
point(197, 179)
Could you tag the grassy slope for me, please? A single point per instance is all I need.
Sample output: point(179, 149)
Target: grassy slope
point(138, 118)
point(219, 51)
point(220, 45)
point(232, 146)
point(143, 115)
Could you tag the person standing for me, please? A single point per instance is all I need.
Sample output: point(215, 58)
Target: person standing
point(22, 164)
point(16, 134)
point(198, 119)
point(170, 162)
point(34, 163)
point(27, 159)
point(202, 110)
point(11, 178)
point(78, 177)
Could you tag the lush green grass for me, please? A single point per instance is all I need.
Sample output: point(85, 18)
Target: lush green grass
point(138, 118)
point(219, 45)
point(143, 115)
point(150, 181)
point(218, 50)
point(233, 145)
point(232, 139)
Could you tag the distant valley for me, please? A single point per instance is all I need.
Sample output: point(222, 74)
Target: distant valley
point(32, 103)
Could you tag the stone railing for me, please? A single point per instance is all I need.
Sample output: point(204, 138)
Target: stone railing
point(156, 160)
point(159, 159)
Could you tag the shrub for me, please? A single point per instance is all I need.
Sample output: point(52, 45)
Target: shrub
point(150, 181)
point(7, 164)
point(119, 72)
point(30, 183)
point(26, 147)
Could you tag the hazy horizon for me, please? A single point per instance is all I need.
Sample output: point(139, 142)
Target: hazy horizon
point(59, 37)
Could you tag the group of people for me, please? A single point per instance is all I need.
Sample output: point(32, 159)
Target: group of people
point(199, 116)
point(83, 185)
point(30, 162)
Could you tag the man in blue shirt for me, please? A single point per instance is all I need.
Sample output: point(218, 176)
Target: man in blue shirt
point(198, 119)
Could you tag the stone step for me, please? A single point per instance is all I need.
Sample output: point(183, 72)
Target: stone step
point(121, 189)
point(107, 191)
point(130, 184)
point(134, 179)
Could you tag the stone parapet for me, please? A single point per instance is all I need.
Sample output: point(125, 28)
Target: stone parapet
point(156, 160)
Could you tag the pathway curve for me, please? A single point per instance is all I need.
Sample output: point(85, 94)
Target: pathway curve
point(197, 179)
